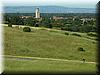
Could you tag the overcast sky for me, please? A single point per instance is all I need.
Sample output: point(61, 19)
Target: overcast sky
point(66, 3)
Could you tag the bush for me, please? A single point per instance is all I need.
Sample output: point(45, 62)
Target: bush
point(64, 28)
point(97, 39)
point(26, 29)
point(81, 49)
point(93, 42)
point(76, 34)
point(9, 25)
point(66, 33)
point(92, 34)
point(36, 25)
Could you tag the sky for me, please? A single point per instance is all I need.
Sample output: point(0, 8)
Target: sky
point(65, 3)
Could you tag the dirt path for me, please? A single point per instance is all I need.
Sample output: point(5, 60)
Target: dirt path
point(32, 58)
point(22, 26)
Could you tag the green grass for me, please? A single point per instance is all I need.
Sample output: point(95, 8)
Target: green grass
point(39, 65)
point(48, 43)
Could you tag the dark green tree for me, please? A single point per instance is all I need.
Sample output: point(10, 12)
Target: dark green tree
point(29, 21)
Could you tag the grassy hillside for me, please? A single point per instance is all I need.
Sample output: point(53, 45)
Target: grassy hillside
point(39, 65)
point(48, 43)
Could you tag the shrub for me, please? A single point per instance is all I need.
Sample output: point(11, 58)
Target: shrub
point(66, 33)
point(9, 25)
point(96, 39)
point(36, 25)
point(76, 34)
point(64, 28)
point(83, 60)
point(93, 42)
point(26, 29)
point(81, 49)
point(92, 34)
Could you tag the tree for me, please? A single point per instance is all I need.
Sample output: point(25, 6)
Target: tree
point(29, 21)
point(47, 22)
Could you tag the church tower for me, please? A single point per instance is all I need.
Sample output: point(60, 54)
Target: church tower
point(37, 13)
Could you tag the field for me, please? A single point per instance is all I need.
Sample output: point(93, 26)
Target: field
point(49, 44)
point(48, 66)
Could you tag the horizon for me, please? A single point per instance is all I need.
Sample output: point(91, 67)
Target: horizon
point(50, 6)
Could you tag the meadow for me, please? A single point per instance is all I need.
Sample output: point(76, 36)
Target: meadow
point(39, 65)
point(49, 44)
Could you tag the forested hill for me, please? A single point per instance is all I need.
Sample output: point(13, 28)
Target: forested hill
point(47, 9)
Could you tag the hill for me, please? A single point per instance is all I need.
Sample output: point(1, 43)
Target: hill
point(49, 43)
point(48, 50)
point(47, 9)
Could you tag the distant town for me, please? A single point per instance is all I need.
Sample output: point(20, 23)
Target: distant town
point(79, 22)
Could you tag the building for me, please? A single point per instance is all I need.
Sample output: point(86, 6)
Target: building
point(25, 17)
point(87, 19)
point(59, 18)
point(37, 13)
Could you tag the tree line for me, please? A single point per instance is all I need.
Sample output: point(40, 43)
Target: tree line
point(75, 25)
